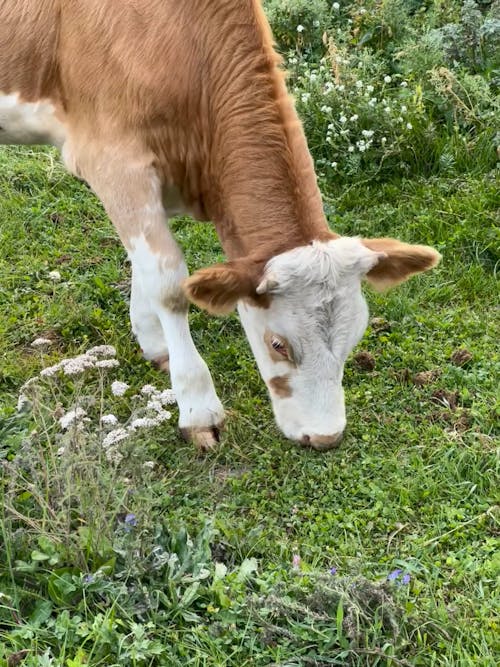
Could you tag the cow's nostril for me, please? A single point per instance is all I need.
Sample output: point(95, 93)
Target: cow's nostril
point(305, 440)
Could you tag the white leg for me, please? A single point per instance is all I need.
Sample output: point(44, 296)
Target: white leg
point(124, 178)
point(147, 327)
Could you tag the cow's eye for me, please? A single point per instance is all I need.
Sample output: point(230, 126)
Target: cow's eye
point(277, 344)
point(280, 347)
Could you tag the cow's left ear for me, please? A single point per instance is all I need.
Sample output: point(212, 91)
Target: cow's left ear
point(398, 261)
point(218, 288)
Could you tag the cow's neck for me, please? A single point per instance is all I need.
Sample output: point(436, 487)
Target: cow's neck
point(261, 190)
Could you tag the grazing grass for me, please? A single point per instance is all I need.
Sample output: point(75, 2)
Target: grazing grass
point(382, 552)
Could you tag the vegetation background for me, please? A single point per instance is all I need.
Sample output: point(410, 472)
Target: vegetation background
point(124, 547)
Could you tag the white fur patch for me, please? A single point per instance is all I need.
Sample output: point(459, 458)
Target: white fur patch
point(29, 122)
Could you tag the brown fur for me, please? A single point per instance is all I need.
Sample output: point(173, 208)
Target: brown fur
point(198, 82)
point(280, 385)
point(219, 287)
point(402, 261)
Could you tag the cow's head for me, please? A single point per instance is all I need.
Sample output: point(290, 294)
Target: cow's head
point(303, 312)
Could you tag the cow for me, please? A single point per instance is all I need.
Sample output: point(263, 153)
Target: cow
point(165, 107)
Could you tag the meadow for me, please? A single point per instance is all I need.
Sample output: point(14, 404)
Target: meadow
point(120, 544)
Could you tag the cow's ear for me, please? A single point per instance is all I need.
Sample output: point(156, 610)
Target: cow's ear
point(398, 261)
point(218, 288)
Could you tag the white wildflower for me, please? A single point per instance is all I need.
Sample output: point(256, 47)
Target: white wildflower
point(149, 464)
point(78, 364)
point(41, 342)
point(372, 102)
point(142, 422)
point(117, 435)
point(119, 388)
point(354, 118)
point(71, 417)
point(336, 6)
point(403, 84)
point(387, 109)
point(383, 140)
point(109, 420)
point(167, 397)
point(387, 79)
point(404, 108)
point(22, 402)
point(149, 389)
point(350, 149)
point(340, 88)
point(409, 126)
point(107, 363)
point(333, 165)
point(367, 133)
point(162, 416)
point(61, 451)
point(343, 119)
point(102, 351)
point(313, 76)
point(154, 404)
point(51, 370)
point(316, 23)
point(344, 132)
point(326, 109)
point(359, 83)
point(370, 89)
point(305, 97)
point(55, 276)
point(300, 28)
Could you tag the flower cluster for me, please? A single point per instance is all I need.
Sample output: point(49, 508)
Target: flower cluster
point(78, 423)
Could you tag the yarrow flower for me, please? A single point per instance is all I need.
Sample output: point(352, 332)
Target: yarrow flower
point(149, 389)
point(117, 435)
point(41, 342)
point(102, 351)
point(71, 417)
point(119, 388)
point(107, 363)
point(55, 276)
point(336, 6)
point(387, 79)
point(300, 28)
point(109, 420)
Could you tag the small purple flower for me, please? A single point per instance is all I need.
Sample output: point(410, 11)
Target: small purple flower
point(130, 521)
point(394, 575)
point(406, 579)
point(88, 578)
point(296, 561)
point(333, 571)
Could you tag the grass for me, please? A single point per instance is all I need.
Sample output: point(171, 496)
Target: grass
point(414, 485)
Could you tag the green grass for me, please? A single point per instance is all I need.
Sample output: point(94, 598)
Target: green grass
point(414, 485)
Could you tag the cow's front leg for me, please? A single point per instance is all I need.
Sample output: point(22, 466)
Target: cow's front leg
point(128, 185)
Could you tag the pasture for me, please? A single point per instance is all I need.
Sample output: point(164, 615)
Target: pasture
point(138, 550)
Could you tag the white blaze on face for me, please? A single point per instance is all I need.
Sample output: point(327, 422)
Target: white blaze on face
point(317, 314)
point(29, 122)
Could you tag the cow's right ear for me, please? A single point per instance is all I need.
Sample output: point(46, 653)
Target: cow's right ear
point(218, 288)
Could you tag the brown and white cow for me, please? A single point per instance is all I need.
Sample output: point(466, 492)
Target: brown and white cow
point(165, 106)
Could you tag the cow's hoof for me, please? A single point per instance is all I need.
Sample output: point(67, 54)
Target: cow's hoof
point(205, 438)
point(162, 363)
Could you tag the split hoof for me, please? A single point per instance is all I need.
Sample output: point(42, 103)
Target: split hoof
point(162, 363)
point(205, 438)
